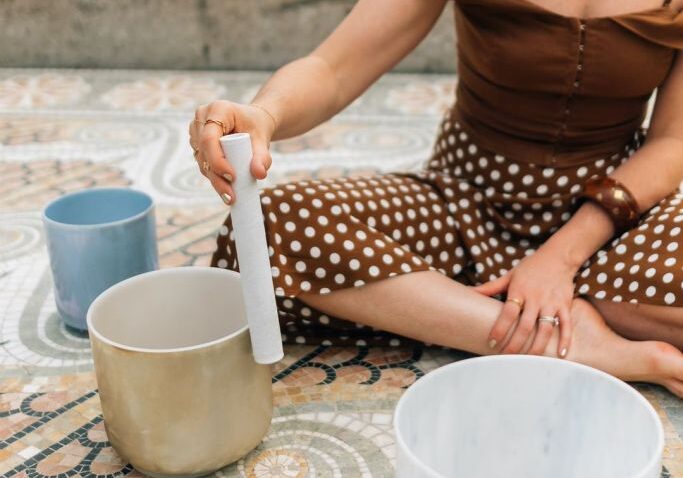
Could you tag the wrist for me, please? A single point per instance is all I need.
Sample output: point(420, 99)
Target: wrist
point(577, 240)
point(268, 119)
point(562, 251)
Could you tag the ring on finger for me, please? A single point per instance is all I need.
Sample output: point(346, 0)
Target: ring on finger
point(195, 152)
point(219, 123)
point(519, 302)
point(206, 166)
point(554, 321)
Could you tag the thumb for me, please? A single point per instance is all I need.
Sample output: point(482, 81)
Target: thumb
point(261, 159)
point(494, 287)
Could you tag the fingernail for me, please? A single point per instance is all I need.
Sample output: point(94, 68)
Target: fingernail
point(563, 352)
point(228, 177)
point(492, 343)
point(226, 198)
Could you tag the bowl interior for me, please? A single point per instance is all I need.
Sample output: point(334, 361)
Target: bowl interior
point(98, 206)
point(170, 309)
point(526, 416)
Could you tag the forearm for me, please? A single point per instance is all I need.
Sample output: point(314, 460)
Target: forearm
point(300, 96)
point(375, 36)
point(651, 173)
point(654, 171)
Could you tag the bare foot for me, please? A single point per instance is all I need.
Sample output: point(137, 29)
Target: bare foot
point(595, 344)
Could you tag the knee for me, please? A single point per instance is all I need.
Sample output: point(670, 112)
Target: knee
point(299, 216)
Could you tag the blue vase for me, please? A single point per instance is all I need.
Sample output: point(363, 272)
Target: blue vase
point(96, 238)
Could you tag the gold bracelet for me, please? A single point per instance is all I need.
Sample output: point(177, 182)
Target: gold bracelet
point(266, 112)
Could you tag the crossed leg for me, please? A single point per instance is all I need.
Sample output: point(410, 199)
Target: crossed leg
point(433, 308)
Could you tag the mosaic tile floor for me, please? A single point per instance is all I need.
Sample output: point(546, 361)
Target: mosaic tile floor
point(65, 130)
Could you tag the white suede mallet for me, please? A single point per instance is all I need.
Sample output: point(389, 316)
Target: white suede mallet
point(252, 253)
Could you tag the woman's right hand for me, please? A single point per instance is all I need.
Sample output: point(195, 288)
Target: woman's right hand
point(235, 118)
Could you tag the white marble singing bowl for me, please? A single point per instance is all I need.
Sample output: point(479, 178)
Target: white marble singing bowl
point(528, 417)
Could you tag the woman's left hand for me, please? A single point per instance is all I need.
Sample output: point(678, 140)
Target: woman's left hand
point(544, 283)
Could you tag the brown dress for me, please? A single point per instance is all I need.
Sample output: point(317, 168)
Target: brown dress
point(544, 102)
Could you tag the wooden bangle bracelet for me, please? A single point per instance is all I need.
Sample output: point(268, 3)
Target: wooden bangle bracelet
point(615, 199)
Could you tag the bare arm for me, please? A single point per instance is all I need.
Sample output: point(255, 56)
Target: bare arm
point(374, 37)
point(651, 173)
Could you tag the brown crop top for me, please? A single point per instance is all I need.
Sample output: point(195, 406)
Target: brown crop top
point(551, 89)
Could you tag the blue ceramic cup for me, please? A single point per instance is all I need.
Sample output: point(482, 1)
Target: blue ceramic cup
point(96, 238)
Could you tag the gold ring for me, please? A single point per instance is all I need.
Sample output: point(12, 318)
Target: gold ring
point(519, 302)
point(219, 123)
point(195, 152)
point(206, 167)
point(548, 318)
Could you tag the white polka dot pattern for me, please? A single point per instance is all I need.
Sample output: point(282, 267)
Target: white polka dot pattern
point(469, 213)
point(643, 264)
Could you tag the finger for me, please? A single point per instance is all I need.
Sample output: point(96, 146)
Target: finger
point(222, 111)
point(504, 323)
point(196, 126)
point(566, 332)
point(543, 335)
point(209, 139)
point(529, 341)
point(193, 131)
point(211, 150)
point(200, 113)
point(525, 326)
point(495, 286)
point(261, 160)
point(224, 189)
point(220, 185)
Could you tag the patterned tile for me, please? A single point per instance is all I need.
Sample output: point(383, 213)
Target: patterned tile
point(66, 130)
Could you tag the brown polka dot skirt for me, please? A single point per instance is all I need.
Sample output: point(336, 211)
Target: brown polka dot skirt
point(470, 214)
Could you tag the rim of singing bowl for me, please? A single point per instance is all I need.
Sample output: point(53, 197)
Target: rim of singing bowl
point(435, 374)
point(131, 281)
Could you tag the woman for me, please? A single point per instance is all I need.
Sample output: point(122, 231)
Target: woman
point(541, 188)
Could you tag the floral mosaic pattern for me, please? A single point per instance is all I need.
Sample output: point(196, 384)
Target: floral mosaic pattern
point(281, 462)
point(334, 427)
point(27, 186)
point(154, 94)
point(37, 91)
point(63, 131)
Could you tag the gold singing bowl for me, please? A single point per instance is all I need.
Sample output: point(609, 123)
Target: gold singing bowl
point(180, 391)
